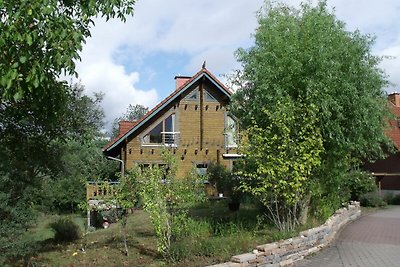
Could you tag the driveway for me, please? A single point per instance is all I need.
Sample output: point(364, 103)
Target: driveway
point(371, 241)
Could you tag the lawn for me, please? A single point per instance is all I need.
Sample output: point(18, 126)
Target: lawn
point(216, 234)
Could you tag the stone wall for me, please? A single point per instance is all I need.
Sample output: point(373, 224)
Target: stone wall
point(286, 252)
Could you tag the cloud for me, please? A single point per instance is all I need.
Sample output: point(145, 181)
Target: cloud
point(114, 58)
point(100, 73)
point(118, 54)
point(392, 66)
point(118, 87)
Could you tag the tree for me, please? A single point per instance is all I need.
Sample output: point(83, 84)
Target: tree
point(168, 199)
point(133, 113)
point(34, 152)
point(41, 39)
point(305, 58)
point(282, 157)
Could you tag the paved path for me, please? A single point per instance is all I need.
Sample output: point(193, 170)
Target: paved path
point(371, 241)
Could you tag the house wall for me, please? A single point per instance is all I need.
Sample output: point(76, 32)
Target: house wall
point(385, 171)
point(188, 122)
point(390, 164)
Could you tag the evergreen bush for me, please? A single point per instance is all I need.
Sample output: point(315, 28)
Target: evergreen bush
point(65, 230)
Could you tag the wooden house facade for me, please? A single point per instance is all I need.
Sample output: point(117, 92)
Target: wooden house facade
point(193, 122)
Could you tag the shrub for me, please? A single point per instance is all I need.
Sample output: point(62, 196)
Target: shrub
point(392, 199)
point(359, 183)
point(225, 182)
point(372, 199)
point(65, 230)
point(396, 200)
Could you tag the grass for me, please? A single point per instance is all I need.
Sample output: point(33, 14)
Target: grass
point(216, 234)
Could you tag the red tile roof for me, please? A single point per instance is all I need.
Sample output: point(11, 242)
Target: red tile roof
point(177, 91)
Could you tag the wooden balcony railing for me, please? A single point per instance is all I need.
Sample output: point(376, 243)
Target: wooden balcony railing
point(100, 190)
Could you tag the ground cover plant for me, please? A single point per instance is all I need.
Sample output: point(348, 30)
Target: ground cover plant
point(216, 233)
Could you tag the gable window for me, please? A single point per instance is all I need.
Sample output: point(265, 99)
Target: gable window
point(230, 132)
point(210, 97)
point(163, 133)
point(193, 96)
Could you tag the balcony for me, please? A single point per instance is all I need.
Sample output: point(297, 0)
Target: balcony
point(169, 139)
point(101, 190)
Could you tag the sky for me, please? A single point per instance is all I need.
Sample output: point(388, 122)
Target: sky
point(135, 62)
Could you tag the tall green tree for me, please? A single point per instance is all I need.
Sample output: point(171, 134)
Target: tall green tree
point(39, 41)
point(37, 150)
point(307, 57)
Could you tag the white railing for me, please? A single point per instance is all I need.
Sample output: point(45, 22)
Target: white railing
point(170, 138)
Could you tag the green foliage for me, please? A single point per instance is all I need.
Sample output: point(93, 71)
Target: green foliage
point(359, 183)
point(167, 199)
point(65, 230)
point(306, 60)
point(224, 181)
point(372, 199)
point(16, 217)
point(39, 163)
point(128, 190)
point(391, 199)
point(41, 40)
point(282, 153)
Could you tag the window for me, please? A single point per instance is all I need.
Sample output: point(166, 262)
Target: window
point(162, 133)
point(193, 96)
point(209, 97)
point(201, 168)
point(154, 136)
point(230, 132)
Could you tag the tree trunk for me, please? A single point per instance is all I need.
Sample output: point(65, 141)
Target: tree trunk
point(305, 204)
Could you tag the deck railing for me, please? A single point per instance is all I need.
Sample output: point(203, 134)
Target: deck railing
point(100, 190)
point(170, 138)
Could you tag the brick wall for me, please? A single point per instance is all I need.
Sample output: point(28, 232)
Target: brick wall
point(189, 150)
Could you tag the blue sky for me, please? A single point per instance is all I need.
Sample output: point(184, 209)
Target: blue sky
point(136, 62)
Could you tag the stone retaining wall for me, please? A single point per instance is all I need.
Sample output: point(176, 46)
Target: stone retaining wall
point(286, 252)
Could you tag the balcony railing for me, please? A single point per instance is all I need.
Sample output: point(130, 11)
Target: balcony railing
point(101, 190)
point(170, 139)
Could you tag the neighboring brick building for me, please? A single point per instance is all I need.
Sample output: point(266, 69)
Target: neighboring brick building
point(193, 122)
point(387, 171)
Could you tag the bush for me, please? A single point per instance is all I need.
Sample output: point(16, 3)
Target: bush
point(359, 183)
point(372, 199)
point(65, 230)
point(225, 181)
point(392, 199)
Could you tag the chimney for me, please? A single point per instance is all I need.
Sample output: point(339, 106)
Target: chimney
point(394, 98)
point(125, 126)
point(180, 80)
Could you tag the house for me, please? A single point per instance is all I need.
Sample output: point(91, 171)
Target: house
point(193, 122)
point(387, 171)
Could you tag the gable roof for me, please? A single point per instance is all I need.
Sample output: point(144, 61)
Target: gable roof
point(153, 112)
